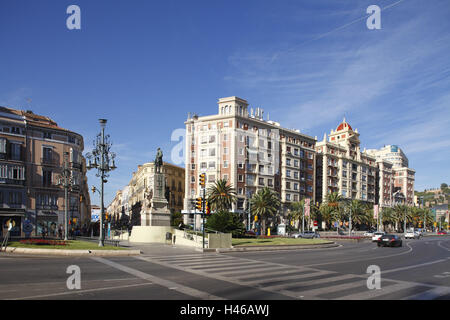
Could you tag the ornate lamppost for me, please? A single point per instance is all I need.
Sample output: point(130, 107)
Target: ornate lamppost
point(65, 180)
point(104, 162)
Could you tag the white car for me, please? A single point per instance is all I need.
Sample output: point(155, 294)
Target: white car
point(377, 235)
point(368, 234)
point(412, 235)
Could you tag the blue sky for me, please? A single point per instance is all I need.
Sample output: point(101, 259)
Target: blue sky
point(144, 65)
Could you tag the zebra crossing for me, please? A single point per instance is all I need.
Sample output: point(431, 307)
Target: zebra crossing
point(297, 282)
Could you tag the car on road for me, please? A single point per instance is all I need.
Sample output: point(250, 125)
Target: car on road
point(442, 232)
point(413, 235)
point(389, 240)
point(368, 233)
point(306, 235)
point(377, 235)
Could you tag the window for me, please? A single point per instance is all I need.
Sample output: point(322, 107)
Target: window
point(193, 166)
point(270, 182)
point(203, 165)
point(15, 151)
point(212, 165)
point(296, 152)
point(15, 198)
point(212, 139)
point(225, 177)
point(261, 181)
point(2, 145)
point(240, 178)
point(288, 173)
point(288, 197)
point(211, 178)
point(225, 164)
point(288, 185)
point(309, 188)
point(344, 174)
point(288, 162)
point(225, 150)
point(203, 153)
point(47, 153)
point(212, 152)
point(225, 137)
point(296, 163)
point(204, 139)
point(192, 179)
point(309, 177)
point(47, 135)
point(46, 178)
point(240, 165)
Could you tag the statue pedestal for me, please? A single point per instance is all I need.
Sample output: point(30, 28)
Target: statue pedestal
point(155, 211)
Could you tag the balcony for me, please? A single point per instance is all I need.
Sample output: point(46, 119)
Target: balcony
point(49, 161)
point(12, 182)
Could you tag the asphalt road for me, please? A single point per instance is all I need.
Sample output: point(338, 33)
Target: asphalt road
point(418, 270)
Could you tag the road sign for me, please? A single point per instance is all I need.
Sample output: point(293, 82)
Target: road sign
point(315, 223)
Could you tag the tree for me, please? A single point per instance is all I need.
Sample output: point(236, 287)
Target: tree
point(265, 203)
point(227, 222)
point(176, 218)
point(221, 196)
point(444, 186)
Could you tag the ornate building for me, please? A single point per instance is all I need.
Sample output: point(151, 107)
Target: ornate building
point(32, 150)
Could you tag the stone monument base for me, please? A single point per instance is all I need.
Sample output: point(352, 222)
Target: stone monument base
point(149, 234)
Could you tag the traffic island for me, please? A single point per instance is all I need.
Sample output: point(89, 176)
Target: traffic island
point(68, 248)
point(279, 243)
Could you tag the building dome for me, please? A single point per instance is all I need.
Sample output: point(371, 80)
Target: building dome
point(343, 126)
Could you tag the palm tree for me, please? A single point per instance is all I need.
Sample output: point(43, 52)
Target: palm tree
point(265, 204)
point(399, 215)
point(333, 201)
point(326, 214)
point(221, 196)
point(358, 212)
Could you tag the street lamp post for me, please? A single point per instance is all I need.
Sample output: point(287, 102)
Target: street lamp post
point(65, 180)
point(102, 158)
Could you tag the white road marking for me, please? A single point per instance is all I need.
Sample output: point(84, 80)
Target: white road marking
point(162, 282)
point(81, 291)
point(414, 266)
point(309, 282)
point(208, 274)
point(369, 294)
point(364, 259)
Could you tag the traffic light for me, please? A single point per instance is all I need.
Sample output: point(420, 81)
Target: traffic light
point(256, 218)
point(81, 198)
point(207, 209)
point(202, 180)
point(198, 204)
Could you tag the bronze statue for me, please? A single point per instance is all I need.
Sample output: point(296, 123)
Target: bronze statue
point(158, 161)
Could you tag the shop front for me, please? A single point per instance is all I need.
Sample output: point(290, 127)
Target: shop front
point(47, 224)
point(16, 219)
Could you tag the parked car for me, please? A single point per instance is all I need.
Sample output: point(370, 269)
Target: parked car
point(389, 240)
point(368, 234)
point(442, 232)
point(306, 235)
point(377, 235)
point(412, 235)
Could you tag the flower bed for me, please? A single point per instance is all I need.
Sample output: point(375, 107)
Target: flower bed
point(45, 242)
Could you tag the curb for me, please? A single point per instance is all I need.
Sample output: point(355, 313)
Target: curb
point(58, 252)
point(270, 248)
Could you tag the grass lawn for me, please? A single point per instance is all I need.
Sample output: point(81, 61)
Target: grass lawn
point(73, 245)
point(276, 241)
